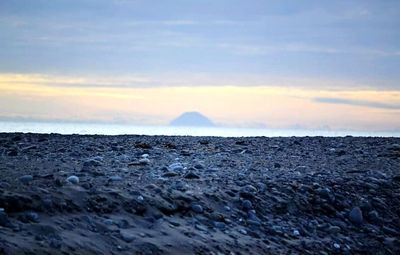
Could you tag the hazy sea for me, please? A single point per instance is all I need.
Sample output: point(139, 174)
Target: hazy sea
point(121, 129)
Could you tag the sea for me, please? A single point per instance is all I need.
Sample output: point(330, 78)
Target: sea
point(125, 129)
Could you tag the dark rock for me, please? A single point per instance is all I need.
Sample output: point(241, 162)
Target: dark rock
point(356, 216)
point(191, 175)
point(12, 153)
point(169, 174)
point(143, 146)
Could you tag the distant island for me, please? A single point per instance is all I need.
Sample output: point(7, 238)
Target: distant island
point(192, 119)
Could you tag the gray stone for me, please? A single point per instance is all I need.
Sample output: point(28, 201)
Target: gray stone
point(144, 161)
point(199, 166)
point(177, 167)
point(115, 178)
point(356, 216)
point(197, 208)
point(247, 205)
point(26, 179)
point(73, 179)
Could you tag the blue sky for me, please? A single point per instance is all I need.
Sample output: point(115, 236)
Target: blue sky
point(113, 49)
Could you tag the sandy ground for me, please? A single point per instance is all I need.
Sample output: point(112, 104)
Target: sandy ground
point(198, 195)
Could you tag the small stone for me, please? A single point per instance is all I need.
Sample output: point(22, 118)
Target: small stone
point(177, 167)
point(356, 216)
point(144, 161)
point(145, 155)
point(26, 179)
point(198, 166)
point(197, 208)
point(109, 222)
point(115, 178)
point(336, 245)
point(219, 225)
point(247, 205)
point(242, 231)
point(169, 174)
point(296, 232)
point(73, 179)
point(174, 223)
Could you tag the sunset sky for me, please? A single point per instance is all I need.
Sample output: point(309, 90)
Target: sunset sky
point(275, 64)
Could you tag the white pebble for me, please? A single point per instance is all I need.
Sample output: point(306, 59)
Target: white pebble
point(144, 161)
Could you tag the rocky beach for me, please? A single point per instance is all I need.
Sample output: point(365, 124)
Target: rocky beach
point(88, 194)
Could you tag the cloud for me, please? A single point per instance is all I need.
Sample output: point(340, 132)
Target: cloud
point(356, 102)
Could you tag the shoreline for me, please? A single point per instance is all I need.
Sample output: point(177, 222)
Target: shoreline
point(138, 194)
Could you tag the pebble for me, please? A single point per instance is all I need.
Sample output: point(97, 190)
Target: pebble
point(356, 216)
point(144, 161)
point(169, 174)
point(336, 245)
point(126, 236)
point(177, 167)
point(199, 166)
point(115, 178)
point(197, 208)
point(247, 205)
point(26, 179)
point(296, 232)
point(219, 225)
point(73, 179)
point(242, 231)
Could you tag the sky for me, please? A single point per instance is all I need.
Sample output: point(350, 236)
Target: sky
point(276, 64)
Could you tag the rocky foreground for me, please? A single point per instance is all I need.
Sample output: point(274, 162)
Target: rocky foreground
point(198, 195)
